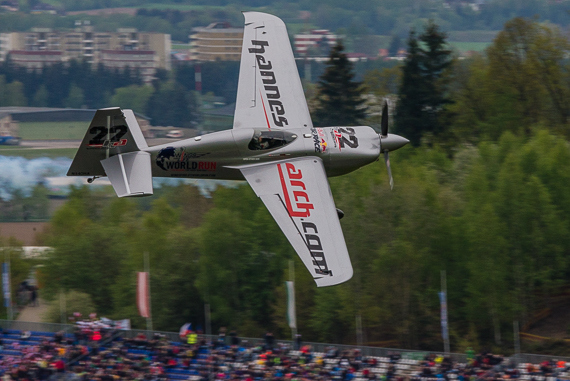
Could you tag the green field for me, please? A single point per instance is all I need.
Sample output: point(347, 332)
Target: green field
point(181, 7)
point(31, 153)
point(470, 46)
point(472, 35)
point(180, 46)
point(53, 130)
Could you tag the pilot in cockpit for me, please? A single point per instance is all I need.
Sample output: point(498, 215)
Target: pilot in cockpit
point(263, 143)
point(269, 139)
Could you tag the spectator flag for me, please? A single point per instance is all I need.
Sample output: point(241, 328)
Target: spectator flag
point(443, 308)
point(143, 294)
point(6, 284)
point(291, 315)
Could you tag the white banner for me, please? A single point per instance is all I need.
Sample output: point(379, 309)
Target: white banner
point(124, 324)
point(291, 313)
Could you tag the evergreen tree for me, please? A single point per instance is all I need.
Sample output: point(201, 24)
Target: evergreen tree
point(16, 96)
point(75, 97)
point(409, 120)
point(340, 101)
point(41, 97)
point(3, 92)
point(171, 105)
point(436, 60)
point(394, 46)
point(422, 95)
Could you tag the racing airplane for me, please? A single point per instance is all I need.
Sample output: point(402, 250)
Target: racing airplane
point(273, 145)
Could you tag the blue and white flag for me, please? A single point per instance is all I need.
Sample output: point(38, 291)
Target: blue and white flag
point(443, 304)
point(6, 284)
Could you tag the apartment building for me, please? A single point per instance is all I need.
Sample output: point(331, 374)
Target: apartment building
point(5, 45)
point(145, 61)
point(85, 43)
point(315, 43)
point(217, 41)
point(35, 59)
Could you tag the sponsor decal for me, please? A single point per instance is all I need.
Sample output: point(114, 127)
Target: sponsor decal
point(299, 206)
point(319, 140)
point(103, 137)
point(322, 141)
point(316, 140)
point(347, 137)
point(177, 159)
point(333, 138)
point(344, 137)
point(270, 84)
point(336, 137)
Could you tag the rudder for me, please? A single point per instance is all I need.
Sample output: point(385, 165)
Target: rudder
point(112, 132)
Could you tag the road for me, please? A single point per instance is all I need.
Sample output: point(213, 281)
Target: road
point(34, 314)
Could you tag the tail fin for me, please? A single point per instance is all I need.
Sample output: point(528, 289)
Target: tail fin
point(112, 131)
point(113, 147)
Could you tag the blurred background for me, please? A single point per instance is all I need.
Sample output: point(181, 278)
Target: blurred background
point(479, 210)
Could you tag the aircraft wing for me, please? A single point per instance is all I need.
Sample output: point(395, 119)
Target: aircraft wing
point(270, 94)
point(299, 198)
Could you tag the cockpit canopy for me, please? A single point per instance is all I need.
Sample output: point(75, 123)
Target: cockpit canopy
point(264, 140)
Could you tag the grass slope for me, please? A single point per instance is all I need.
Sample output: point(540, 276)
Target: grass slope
point(32, 153)
point(53, 130)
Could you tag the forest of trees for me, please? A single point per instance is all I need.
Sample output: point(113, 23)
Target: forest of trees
point(170, 100)
point(484, 197)
point(388, 17)
point(495, 218)
point(78, 85)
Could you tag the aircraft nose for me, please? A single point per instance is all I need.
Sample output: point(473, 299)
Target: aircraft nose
point(392, 142)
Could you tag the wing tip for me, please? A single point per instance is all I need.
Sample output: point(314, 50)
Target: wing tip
point(334, 280)
point(252, 16)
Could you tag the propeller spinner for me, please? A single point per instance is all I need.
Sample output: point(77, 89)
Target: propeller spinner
point(389, 142)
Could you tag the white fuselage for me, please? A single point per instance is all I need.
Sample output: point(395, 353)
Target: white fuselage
point(219, 155)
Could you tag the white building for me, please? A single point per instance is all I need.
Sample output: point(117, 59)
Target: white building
point(307, 42)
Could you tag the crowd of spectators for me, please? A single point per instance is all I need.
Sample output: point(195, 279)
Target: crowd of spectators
point(489, 366)
point(107, 356)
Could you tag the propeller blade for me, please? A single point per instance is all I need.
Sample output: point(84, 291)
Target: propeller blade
point(384, 121)
point(387, 160)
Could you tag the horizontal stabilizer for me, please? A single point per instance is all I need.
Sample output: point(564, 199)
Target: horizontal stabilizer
point(130, 173)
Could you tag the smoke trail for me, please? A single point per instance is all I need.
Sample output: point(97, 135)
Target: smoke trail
point(21, 174)
point(18, 173)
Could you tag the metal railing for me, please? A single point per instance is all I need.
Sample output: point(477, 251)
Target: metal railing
point(254, 342)
point(39, 327)
point(315, 347)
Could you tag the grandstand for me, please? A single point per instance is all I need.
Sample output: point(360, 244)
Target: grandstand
point(50, 351)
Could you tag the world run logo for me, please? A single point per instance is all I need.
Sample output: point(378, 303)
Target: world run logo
point(177, 159)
